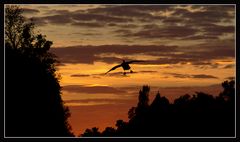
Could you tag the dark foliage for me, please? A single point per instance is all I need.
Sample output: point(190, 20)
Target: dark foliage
point(199, 115)
point(92, 132)
point(33, 103)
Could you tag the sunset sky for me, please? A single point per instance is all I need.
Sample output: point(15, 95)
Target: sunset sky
point(186, 48)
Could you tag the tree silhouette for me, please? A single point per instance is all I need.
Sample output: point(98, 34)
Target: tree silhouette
point(33, 94)
point(229, 91)
point(109, 131)
point(14, 24)
point(198, 115)
point(121, 128)
point(132, 112)
point(160, 102)
point(91, 132)
point(143, 100)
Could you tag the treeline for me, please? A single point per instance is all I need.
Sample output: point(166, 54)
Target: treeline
point(33, 103)
point(197, 115)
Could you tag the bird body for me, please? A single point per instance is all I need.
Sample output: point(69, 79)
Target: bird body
point(124, 65)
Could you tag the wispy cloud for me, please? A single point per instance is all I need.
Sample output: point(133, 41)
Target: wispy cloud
point(229, 66)
point(231, 78)
point(80, 75)
point(30, 11)
point(197, 76)
point(92, 89)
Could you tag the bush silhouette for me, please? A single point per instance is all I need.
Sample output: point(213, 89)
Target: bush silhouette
point(33, 103)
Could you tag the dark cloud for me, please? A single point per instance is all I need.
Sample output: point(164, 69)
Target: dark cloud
point(207, 20)
point(182, 24)
point(54, 19)
point(217, 30)
point(218, 52)
point(209, 14)
point(212, 31)
point(110, 59)
point(112, 24)
point(204, 76)
point(150, 26)
point(111, 101)
point(60, 64)
point(123, 32)
point(67, 17)
point(94, 33)
point(132, 11)
point(97, 17)
point(173, 20)
point(57, 12)
point(30, 11)
point(199, 55)
point(80, 75)
point(229, 66)
point(88, 24)
point(206, 65)
point(165, 32)
point(39, 21)
point(197, 76)
point(195, 25)
point(89, 54)
point(201, 37)
point(203, 54)
point(92, 89)
point(230, 78)
point(120, 11)
point(128, 26)
point(94, 14)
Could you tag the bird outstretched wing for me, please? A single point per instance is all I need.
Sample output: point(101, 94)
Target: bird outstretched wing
point(117, 66)
point(129, 62)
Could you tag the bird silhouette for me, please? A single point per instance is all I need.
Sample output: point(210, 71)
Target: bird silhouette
point(125, 66)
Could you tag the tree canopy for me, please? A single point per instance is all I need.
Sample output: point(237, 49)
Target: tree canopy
point(34, 106)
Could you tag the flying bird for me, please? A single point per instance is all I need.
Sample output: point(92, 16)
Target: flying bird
point(125, 66)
